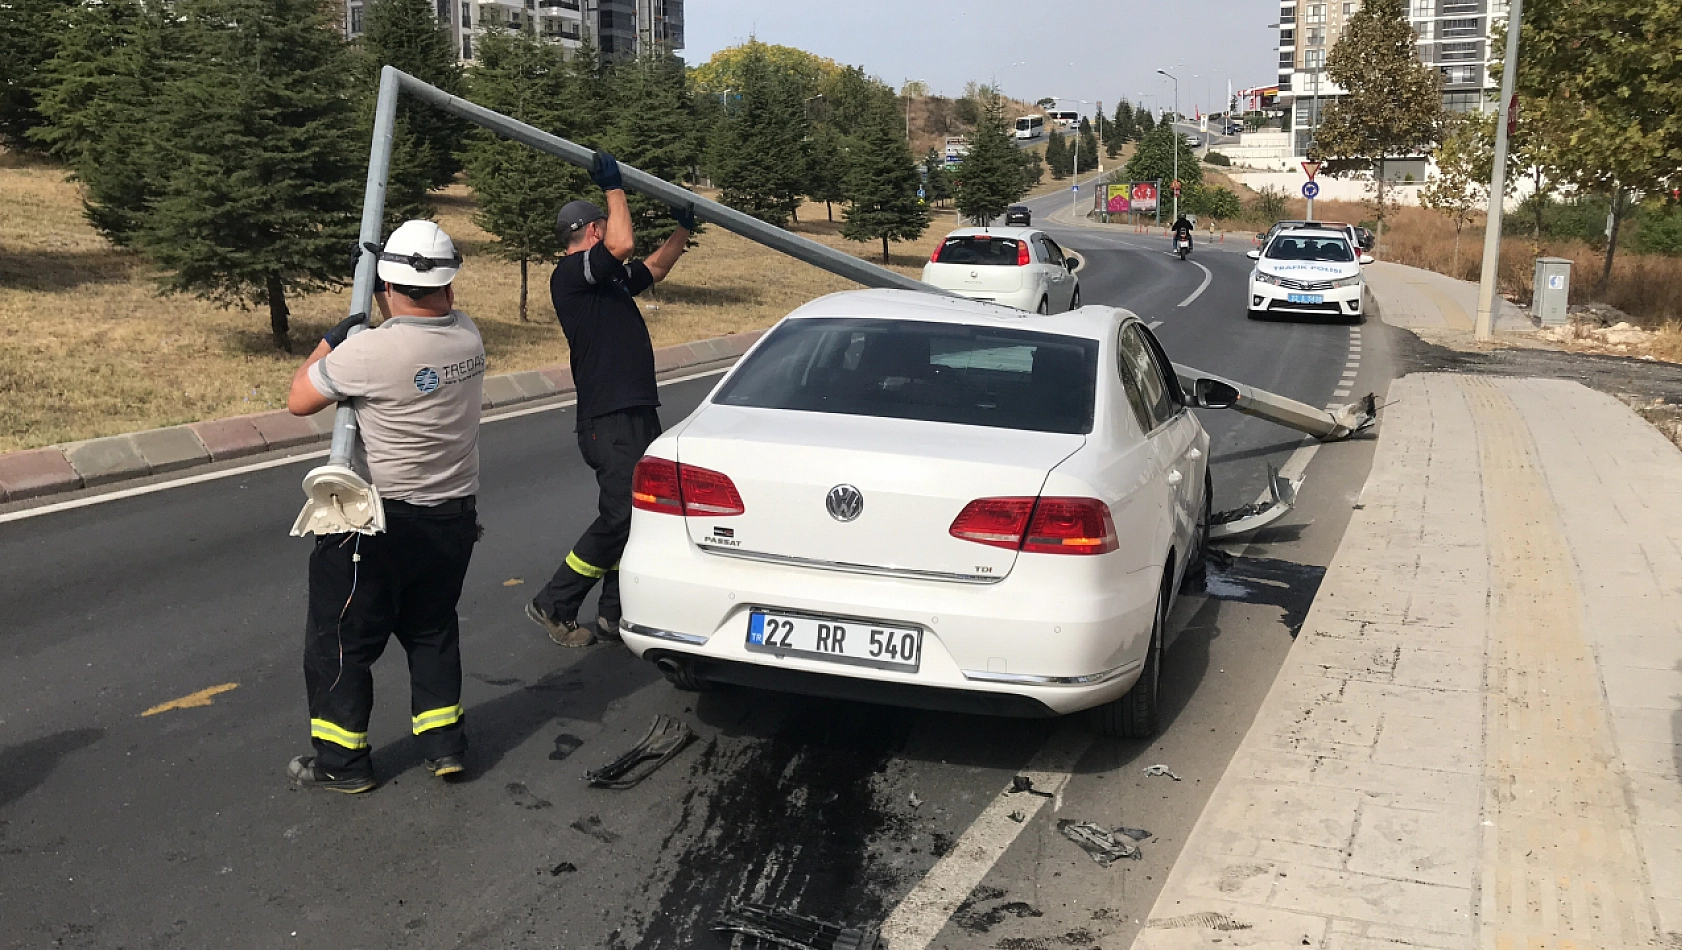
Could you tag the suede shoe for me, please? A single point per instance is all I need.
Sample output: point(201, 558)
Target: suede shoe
point(567, 633)
point(447, 767)
point(607, 630)
point(306, 774)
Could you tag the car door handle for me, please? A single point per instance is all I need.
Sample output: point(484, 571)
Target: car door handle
point(1174, 477)
point(1195, 453)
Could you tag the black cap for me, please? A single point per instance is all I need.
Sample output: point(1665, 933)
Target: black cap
point(575, 215)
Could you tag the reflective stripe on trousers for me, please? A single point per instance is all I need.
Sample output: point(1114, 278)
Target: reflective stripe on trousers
point(437, 718)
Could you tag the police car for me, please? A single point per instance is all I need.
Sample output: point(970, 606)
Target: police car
point(1307, 271)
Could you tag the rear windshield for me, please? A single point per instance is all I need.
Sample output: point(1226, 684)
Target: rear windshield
point(979, 249)
point(933, 372)
point(1288, 248)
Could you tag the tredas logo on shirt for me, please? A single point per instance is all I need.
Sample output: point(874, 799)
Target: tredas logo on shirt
point(426, 380)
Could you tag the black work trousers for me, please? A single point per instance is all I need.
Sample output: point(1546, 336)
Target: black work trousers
point(364, 589)
point(612, 444)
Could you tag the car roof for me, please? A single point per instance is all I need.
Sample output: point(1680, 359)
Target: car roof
point(1334, 229)
point(1018, 234)
point(1091, 322)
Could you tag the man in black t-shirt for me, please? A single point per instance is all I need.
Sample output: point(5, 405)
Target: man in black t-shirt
point(613, 369)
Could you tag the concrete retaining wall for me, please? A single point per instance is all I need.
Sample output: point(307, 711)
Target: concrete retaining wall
point(32, 473)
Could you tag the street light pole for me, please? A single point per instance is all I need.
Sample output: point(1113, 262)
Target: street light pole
point(1174, 138)
point(1484, 328)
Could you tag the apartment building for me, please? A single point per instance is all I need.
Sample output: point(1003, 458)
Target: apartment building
point(620, 29)
point(1453, 37)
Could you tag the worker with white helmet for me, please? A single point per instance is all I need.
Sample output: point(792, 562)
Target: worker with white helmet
point(415, 382)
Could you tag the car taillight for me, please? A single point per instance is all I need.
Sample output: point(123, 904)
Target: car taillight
point(708, 493)
point(995, 521)
point(1038, 525)
point(1071, 526)
point(1022, 254)
point(654, 486)
point(934, 258)
point(670, 488)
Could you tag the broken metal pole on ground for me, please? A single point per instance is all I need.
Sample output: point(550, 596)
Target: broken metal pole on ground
point(1324, 425)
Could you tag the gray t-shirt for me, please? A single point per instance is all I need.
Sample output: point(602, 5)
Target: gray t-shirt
point(417, 384)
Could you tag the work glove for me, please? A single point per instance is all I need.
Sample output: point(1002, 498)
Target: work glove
point(341, 330)
point(685, 216)
point(604, 171)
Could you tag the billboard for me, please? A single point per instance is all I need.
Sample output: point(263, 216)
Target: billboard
point(1144, 197)
point(1118, 199)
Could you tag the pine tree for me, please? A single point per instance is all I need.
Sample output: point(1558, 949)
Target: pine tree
point(97, 98)
point(827, 169)
point(937, 181)
point(258, 172)
point(882, 190)
point(758, 156)
point(653, 130)
point(1087, 145)
point(853, 102)
point(1033, 171)
point(1121, 128)
point(29, 38)
point(990, 179)
point(1393, 104)
point(1144, 122)
point(519, 189)
point(1057, 157)
point(407, 34)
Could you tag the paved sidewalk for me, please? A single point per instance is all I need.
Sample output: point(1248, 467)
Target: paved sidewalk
point(1419, 299)
point(1476, 741)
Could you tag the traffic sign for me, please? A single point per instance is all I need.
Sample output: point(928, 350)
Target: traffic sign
point(920, 193)
point(1074, 187)
point(1312, 168)
point(1310, 190)
point(1176, 186)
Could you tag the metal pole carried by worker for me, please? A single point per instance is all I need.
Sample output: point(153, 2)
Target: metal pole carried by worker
point(415, 383)
point(593, 290)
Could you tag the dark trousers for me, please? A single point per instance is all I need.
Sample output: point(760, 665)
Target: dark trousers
point(364, 589)
point(612, 444)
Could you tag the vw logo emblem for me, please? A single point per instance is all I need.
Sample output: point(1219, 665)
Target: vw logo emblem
point(845, 503)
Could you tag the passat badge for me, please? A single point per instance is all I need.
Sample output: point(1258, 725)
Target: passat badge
point(845, 503)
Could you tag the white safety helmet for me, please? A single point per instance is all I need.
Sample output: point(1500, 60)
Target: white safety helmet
point(419, 254)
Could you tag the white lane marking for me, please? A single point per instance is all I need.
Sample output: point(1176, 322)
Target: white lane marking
point(924, 912)
point(1340, 392)
point(1153, 326)
point(1353, 365)
point(1348, 374)
point(1207, 276)
point(271, 463)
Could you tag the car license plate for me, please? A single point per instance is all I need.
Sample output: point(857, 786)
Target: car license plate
point(1306, 298)
point(855, 642)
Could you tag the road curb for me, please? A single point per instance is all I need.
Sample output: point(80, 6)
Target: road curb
point(71, 466)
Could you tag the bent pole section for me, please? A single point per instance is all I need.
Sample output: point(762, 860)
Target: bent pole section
point(1253, 402)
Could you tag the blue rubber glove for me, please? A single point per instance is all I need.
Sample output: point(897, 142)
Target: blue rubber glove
point(341, 330)
point(685, 217)
point(604, 171)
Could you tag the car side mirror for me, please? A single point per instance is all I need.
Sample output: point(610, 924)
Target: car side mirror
point(1071, 263)
point(1253, 254)
point(1367, 258)
point(1213, 394)
point(1261, 235)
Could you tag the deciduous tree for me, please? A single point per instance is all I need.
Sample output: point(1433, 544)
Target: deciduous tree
point(1153, 160)
point(1464, 157)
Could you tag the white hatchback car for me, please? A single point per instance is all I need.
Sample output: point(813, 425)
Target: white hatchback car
point(1307, 271)
point(926, 501)
point(1018, 267)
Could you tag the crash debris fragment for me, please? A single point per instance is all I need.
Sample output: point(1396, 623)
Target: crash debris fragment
point(914, 801)
point(1282, 496)
point(1023, 783)
point(666, 738)
point(1158, 771)
point(783, 928)
point(1105, 847)
point(1017, 817)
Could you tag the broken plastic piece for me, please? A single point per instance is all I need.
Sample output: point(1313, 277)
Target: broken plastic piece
point(1103, 845)
point(915, 801)
point(786, 929)
point(1017, 817)
point(1023, 783)
point(666, 738)
point(1137, 834)
point(1282, 495)
point(1161, 770)
point(339, 501)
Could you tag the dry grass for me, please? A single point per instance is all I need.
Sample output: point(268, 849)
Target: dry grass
point(88, 348)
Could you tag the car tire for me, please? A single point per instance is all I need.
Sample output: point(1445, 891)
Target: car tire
point(1195, 579)
point(1135, 715)
point(1045, 306)
point(1074, 302)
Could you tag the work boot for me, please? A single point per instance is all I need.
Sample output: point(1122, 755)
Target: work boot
point(607, 630)
point(306, 774)
point(447, 766)
point(567, 633)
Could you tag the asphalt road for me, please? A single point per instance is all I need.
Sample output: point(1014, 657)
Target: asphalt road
point(178, 829)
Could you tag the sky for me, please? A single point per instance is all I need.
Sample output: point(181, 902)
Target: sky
point(1097, 50)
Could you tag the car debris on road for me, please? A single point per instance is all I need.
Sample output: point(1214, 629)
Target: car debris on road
point(785, 929)
point(1282, 497)
point(1023, 783)
point(1157, 771)
point(1106, 847)
point(666, 738)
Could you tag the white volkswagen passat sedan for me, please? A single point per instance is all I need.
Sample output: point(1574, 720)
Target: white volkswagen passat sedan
point(1307, 271)
point(1018, 267)
point(926, 501)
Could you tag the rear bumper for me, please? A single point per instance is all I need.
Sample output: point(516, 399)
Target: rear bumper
point(1058, 635)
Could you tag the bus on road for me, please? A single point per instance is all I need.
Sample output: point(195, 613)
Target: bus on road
point(1065, 120)
point(1030, 126)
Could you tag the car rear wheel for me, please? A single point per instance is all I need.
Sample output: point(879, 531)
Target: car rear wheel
point(1135, 714)
point(1074, 302)
point(1045, 305)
